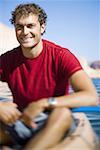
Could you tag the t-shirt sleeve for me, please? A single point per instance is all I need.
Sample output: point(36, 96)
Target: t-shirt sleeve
point(69, 63)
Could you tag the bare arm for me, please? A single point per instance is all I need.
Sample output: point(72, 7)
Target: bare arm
point(84, 95)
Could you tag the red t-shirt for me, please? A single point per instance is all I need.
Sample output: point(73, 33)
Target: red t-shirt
point(44, 76)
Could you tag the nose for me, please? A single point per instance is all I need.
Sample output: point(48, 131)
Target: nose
point(25, 30)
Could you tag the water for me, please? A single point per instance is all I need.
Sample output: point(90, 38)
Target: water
point(96, 82)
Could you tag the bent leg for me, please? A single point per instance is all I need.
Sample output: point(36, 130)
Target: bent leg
point(83, 137)
point(58, 123)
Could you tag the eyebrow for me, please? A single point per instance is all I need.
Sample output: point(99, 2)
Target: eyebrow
point(25, 24)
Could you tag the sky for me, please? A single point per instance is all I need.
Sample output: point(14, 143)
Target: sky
point(74, 24)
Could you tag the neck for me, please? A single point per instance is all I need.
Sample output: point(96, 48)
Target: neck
point(33, 51)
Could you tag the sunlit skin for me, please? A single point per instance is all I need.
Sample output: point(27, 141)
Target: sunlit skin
point(28, 33)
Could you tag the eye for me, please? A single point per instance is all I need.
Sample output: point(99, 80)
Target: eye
point(30, 26)
point(18, 27)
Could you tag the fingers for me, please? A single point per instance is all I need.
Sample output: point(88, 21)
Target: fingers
point(28, 121)
point(13, 116)
point(9, 112)
point(33, 125)
point(30, 112)
point(9, 116)
point(9, 119)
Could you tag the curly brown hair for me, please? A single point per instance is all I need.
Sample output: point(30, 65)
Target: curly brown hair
point(29, 8)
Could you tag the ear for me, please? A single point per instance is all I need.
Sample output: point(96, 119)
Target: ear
point(43, 28)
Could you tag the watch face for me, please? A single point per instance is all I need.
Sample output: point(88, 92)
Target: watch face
point(52, 101)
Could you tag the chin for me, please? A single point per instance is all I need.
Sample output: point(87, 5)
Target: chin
point(27, 45)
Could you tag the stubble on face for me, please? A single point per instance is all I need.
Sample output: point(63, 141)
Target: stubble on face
point(28, 33)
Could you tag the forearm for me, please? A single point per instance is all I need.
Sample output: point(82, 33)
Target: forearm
point(84, 92)
point(77, 99)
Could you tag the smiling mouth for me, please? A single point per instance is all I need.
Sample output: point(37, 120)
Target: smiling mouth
point(27, 39)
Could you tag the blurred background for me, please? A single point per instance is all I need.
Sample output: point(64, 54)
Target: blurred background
point(74, 24)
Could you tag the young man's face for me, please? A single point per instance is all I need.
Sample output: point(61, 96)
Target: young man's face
point(28, 31)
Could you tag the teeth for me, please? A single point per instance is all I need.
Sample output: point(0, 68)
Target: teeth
point(26, 39)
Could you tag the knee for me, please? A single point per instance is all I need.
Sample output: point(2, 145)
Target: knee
point(60, 116)
point(64, 115)
point(65, 112)
point(64, 118)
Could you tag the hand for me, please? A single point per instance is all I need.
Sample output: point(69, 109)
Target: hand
point(9, 112)
point(33, 110)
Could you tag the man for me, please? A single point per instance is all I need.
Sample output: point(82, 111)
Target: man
point(38, 73)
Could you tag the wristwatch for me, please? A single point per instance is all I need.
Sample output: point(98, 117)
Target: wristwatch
point(52, 101)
